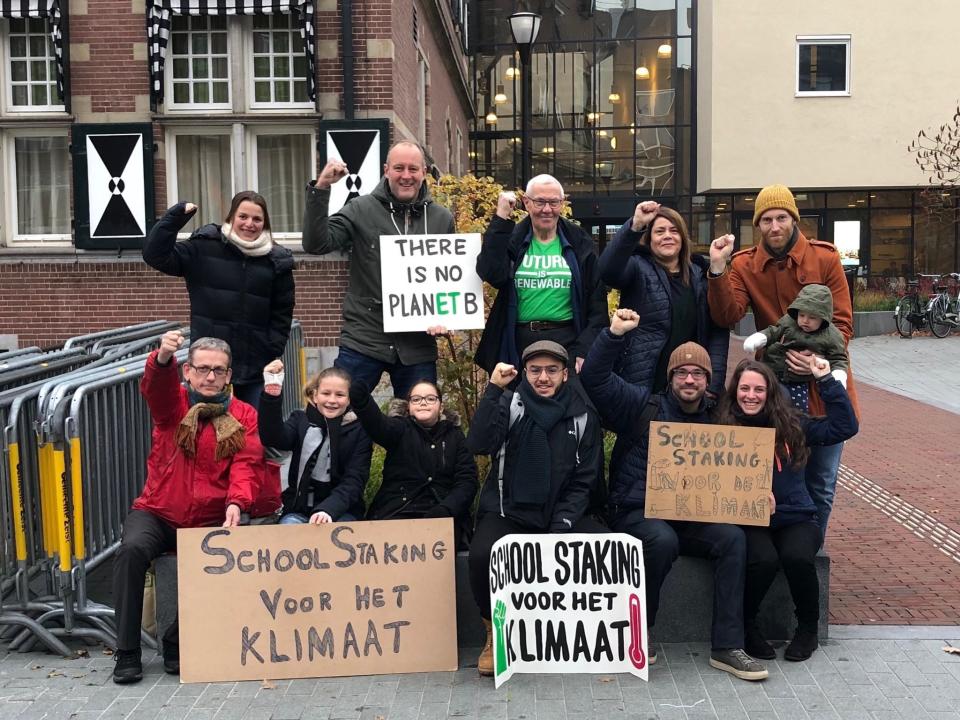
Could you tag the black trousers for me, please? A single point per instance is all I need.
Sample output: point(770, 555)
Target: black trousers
point(565, 336)
point(490, 528)
point(794, 548)
point(723, 545)
point(145, 538)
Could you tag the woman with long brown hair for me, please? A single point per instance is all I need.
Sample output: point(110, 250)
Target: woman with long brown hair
point(652, 264)
point(755, 398)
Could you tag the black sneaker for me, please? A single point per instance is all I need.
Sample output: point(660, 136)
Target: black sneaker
point(755, 644)
point(128, 668)
point(738, 663)
point(171, 658)
point(802, 646)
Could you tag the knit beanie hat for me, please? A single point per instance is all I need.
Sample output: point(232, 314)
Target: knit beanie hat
point(690, 354)
point(775, 196)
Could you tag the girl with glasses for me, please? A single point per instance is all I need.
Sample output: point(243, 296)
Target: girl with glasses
point(428, 472)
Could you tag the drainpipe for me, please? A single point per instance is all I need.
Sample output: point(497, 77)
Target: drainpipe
point(346, 35)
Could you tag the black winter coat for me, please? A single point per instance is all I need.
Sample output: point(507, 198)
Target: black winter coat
point(645, 288)
point(504, 245)
point(576, 464)
point(350, 451)
point(427, 472)
point(621, 405)
point(245, 301)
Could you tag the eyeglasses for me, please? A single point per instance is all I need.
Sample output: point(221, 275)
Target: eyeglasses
point(696, 374)
point(540, 203)
point(205, 370)
point(535, 371)
point(424, 399)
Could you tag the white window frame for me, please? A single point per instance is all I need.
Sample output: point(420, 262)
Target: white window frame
point(249, 78)
point(243, 158)
point(844, 40)
point(10, 219)
point(252, 132)
point(234, 40)
point(8, 107)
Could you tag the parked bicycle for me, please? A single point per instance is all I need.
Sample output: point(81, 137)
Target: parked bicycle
point(910, 314)
point(942, 309)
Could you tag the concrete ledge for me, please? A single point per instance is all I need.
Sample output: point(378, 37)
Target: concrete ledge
point(875, 322)
point(686, 602)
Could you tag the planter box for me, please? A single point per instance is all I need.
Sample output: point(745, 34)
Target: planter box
point(876, 322)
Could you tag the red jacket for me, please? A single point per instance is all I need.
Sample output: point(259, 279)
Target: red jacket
point(756, 279)
point(195, 492)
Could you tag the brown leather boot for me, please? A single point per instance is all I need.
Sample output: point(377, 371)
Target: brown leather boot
point(485, 661)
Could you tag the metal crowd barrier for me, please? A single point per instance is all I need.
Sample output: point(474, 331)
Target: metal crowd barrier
point(295, 370)
point(87, 341)
point(10, 354)
point(75, 449)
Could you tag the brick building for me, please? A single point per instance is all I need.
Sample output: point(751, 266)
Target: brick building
point(223, 93)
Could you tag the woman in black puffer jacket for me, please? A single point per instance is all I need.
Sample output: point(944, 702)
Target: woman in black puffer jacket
point(428, 471)
point(651, 263)
point(330, 464)
point(239, 280)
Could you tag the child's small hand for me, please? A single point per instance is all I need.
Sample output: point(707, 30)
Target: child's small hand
point(754, 342)
point(273, 378)
point(320, 518)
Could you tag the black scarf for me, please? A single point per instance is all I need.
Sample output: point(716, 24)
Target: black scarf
point(530, 481)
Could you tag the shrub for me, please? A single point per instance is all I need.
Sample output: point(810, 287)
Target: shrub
point(868, 300)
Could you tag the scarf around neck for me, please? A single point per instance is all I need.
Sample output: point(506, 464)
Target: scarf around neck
point(231, 436)
point(531, 472)
point(252, 248)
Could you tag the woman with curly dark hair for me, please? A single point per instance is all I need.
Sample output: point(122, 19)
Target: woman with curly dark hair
point(754, 397)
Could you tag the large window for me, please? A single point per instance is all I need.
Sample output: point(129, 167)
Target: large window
point(210, 56)
point(212, 164)
point(823, 65)
point(30, 67)
point(37, 187)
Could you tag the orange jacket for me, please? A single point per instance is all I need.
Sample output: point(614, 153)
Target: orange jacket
point(768, 286)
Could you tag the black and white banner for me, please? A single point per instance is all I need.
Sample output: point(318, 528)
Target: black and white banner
point(113, 184)
point(41, 9)
point(362, 145)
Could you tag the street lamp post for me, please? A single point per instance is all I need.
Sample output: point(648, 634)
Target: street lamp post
point(524, 26)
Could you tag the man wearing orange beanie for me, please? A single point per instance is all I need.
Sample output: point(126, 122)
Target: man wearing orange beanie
point(767, 278)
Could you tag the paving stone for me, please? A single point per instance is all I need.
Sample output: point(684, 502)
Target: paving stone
point(889, 684)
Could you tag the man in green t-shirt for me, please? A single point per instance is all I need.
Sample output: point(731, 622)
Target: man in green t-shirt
point(544, 269)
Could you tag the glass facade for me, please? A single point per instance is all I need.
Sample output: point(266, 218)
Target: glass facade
point(612, 95)
point(613, 117)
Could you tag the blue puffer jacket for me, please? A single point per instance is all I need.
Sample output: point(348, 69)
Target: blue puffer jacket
point(645, 288)
point(621, 405)
point(794, 504)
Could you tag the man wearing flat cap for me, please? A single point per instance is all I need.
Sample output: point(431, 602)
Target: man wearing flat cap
point(628, 409)
point(546, 454)
point(767, 278)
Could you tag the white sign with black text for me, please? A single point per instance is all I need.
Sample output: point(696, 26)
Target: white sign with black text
point(431, 280)
point(568, 603)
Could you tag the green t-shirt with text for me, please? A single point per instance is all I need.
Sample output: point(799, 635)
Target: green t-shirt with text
point(543, 284)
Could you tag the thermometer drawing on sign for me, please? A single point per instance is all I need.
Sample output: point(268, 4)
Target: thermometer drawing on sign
point(637, 657)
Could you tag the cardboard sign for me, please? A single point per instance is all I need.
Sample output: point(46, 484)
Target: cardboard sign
point(431, 280)
point(569, 603)
point(293, 601)
point(709, 473)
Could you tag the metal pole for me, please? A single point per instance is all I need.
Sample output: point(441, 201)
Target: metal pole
point(526, 154)
point(346, 36)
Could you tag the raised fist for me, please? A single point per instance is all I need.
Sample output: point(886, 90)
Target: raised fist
point(644, 214)
point(189, 208)
point(169, 344)
point(720, 251)
point(623, 321)
point(273, 377)
point(332, 172)
point(506, 204)
point(503, 375)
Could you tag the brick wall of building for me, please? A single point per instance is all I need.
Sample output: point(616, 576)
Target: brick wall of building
point(44, 302)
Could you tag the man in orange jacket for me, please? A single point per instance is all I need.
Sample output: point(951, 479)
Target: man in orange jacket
point(767, 278)
point(205, 468)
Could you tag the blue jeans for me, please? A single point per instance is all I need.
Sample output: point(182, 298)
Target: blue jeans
point(299, 519)
point(368, 370)
point(724, 545)
point(249, 393)
point(821, 478)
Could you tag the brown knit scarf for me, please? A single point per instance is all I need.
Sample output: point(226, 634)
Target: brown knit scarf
point(231, 436)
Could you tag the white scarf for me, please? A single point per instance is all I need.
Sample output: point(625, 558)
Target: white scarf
point(253, 248)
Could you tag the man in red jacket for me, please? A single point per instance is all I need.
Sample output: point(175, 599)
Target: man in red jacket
point(205, 468)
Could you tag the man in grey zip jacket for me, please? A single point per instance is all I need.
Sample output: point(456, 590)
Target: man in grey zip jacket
point(400, 204)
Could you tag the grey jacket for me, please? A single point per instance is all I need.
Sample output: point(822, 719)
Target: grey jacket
point(786, 334)
point(356, 228)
